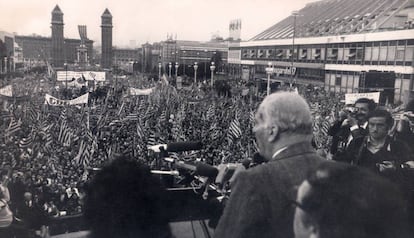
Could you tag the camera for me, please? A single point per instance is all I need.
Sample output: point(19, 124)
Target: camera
point(351, 111)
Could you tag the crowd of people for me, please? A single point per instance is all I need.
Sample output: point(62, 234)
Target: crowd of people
point(49, 152)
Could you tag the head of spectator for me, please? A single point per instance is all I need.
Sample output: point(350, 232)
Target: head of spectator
point(125, 200)
point(282, 119)
point(341, 200)
point(379, 123)
point(363, 107)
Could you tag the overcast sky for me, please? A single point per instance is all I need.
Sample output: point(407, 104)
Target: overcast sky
point(147, 20)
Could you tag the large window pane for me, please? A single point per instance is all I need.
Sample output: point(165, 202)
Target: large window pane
point(356, 83)
point(340, 53)
point(409, 51)
point(375, 53)
point(368, 52)
point(344, 80)
point(383, 53)
point(391, 53)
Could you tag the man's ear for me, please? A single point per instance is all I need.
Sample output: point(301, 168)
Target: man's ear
point(273, 133)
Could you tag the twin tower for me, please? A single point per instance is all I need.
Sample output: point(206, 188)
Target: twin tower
point(58, 41)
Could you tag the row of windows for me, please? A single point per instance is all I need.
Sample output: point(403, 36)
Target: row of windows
point(373, 53)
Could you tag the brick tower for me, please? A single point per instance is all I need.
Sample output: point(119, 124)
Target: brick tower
point(106, 58)
point(57, 38)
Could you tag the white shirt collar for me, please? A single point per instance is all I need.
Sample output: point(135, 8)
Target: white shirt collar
point(278, 152)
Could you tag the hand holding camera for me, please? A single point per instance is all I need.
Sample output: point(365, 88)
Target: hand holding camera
point(350, 114)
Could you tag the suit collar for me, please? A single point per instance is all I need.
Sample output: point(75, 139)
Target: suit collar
point(294, 150)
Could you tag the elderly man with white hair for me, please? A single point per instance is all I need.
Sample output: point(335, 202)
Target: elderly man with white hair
point(260, 202)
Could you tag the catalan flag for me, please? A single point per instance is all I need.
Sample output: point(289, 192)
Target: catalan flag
point(234, 129)
point(14, 126)
point(26, 142)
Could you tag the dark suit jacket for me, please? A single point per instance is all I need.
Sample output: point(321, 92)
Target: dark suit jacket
point(340, 135)
point(260, 202)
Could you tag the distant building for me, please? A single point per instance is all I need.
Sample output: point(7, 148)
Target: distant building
point(335, 44)
point(36, 50)
point(124, 58)
point(106, 34)
point(186, 53)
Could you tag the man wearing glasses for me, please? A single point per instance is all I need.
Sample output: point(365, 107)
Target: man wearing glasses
point(260, 202)
point(341, 200)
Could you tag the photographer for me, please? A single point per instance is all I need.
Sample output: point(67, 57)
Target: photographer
point(352, 123)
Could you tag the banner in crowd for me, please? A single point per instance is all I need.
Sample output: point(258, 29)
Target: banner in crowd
point(50, 100)
point(350, 98)
point(6, 91)
point(140, 92)
point(88, 75)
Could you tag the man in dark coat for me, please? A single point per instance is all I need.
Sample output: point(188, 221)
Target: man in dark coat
point(260, 203)
point(350, 125)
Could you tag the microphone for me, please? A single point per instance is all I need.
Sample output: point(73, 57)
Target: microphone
point(206, 170)
point(184, 146)
point(201, 169)
point(161, 172)
point(177, 146)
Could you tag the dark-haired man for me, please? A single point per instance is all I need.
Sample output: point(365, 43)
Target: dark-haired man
point(124, 200)
point(350, 125)
point(340, 200)
point(378, 151)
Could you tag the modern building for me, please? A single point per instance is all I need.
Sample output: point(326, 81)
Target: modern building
point(106, 34)
point(335, 43)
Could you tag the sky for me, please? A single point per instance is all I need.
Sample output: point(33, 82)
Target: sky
point(147, 20)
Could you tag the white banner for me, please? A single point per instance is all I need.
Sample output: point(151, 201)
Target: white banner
point(140, 92)
point(350, 98)
point(88, 75)
point(50, 100)
point(6, 91)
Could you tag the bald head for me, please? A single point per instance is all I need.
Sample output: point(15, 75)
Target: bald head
point(289, 111)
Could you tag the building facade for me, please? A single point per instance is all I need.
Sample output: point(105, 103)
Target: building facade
point(124, 58)
point(106, 37)
point(185, 54)
point(37, 50)
point(334, 48)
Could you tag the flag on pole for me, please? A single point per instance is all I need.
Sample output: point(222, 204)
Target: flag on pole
point(14, 126)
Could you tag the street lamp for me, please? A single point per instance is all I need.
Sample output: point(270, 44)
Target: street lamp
point(176, 69)
point(195, 72)
point(269, 71)
point(159, 70)
point(212, 68)
point(294, 14)
point(169, 66)
point(66, 79)
point(205, 64)
point(184, 63)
